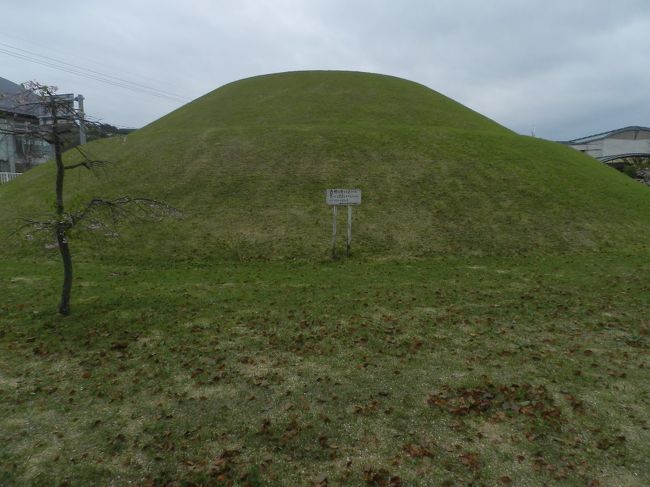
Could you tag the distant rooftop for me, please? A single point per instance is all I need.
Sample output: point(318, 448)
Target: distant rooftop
point(8, 98)
point(604, 135)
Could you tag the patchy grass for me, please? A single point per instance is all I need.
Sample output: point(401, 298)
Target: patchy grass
point(444, 372)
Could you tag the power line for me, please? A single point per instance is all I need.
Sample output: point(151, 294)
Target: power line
point(92, 71)
point(86, 63)
point(88, 73)
point(99, 64)
point(101, 79)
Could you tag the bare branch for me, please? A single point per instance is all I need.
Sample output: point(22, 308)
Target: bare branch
point(37, 225)
point(88, 163)
point(118, 208)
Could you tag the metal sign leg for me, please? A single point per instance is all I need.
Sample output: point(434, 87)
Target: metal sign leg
point(349, 242)
point(334, 232)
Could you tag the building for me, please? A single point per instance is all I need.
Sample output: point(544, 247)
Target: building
point(615, 146)
point(19, 117)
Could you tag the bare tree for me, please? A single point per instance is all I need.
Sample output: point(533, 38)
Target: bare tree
point(57, 121)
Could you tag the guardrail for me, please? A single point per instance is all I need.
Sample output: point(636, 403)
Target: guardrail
point(5, 177)
point(607, 159)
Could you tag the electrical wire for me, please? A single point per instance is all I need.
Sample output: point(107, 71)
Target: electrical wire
point(93, 77)
point(77, 67)
point(88, 73)
point(50, 50)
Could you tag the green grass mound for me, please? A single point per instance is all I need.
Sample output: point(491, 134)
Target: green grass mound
point(249, 164)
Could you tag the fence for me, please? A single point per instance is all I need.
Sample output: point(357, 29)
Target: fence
point(5, 177)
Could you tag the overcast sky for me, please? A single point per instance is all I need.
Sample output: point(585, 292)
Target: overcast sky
point(564, 68)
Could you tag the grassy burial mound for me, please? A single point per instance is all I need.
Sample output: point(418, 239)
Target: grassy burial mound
point(249, 162)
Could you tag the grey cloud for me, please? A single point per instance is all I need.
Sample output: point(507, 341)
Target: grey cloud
point(567, 68)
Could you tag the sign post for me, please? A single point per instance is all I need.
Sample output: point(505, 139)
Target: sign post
point(349, 241)
point(334, 232)
point(342, 197)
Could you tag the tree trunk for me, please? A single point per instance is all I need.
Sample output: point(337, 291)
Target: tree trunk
point(66, 257)
point(60, 229)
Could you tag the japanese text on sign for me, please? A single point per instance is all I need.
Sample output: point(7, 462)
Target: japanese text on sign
point(343, 196)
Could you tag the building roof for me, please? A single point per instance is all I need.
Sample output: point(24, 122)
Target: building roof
point(7, 86)
point(604, 135)
point(10, 102)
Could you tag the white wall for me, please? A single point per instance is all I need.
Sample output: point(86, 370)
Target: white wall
point(612, 147)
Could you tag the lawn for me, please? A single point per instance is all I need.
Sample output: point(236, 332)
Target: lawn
point(443, 371)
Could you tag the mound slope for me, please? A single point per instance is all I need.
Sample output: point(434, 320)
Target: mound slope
point(249, 162)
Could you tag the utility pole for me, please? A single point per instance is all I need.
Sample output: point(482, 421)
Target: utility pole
point(81, 117)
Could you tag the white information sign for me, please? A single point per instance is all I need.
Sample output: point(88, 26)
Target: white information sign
point(342, 197)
